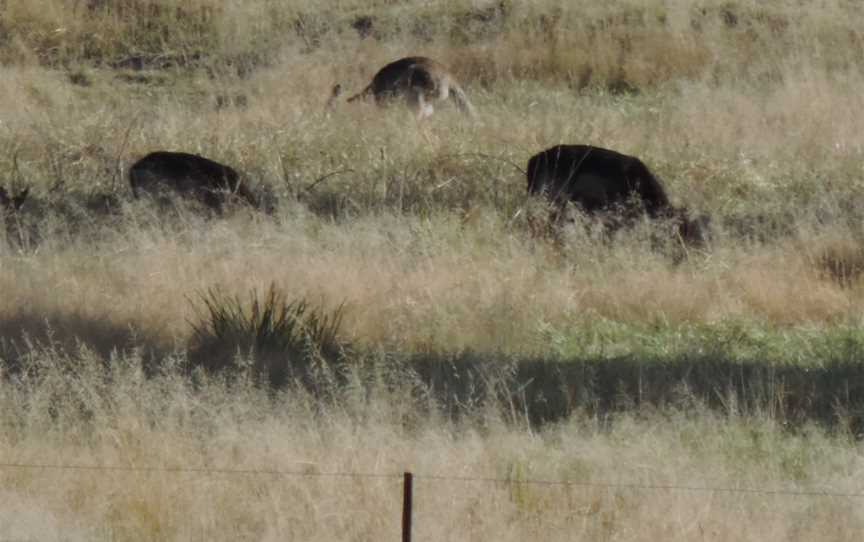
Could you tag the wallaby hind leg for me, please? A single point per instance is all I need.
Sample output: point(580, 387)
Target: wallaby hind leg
point(362, 94)
point(461, 99)
point(418, 102)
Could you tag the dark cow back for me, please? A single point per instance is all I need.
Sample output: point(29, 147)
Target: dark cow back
point(205, 180)
point(603, 181)
point(596, 179)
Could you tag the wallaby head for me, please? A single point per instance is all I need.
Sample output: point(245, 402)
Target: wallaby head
point(419, 81)
point(334, 95)
point(13, 203)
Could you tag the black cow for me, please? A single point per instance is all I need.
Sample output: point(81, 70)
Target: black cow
point(208, 182)
point(614, 187)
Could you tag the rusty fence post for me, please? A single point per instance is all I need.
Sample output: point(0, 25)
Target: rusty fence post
point(407, 498)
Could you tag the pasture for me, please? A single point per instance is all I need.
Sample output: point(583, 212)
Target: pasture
point(457, 337)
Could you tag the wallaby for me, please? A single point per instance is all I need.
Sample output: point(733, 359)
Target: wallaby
point(420, 81)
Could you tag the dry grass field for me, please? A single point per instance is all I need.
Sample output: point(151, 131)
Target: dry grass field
point(416, 242)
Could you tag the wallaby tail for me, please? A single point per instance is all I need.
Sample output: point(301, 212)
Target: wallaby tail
point(458, 95)
point(362, 94)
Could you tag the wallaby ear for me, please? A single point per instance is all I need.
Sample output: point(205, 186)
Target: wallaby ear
point(334, 95)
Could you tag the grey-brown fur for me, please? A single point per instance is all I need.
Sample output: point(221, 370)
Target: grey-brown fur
point(418, 80)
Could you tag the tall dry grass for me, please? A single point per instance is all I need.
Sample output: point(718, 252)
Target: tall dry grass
point(748, 111)
point(423, 247)
point(412, 283)
point(73, 412)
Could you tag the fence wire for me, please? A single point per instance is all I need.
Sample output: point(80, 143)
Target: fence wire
point(443, 478)
point(198, 470)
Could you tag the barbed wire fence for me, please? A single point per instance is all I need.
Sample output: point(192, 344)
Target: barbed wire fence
point(409, 477)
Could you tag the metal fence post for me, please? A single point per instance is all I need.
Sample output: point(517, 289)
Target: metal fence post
point(407, 498)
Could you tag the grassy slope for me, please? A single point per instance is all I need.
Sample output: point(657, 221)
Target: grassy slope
point(77, 417)
point(424, 247)
point(748, 112)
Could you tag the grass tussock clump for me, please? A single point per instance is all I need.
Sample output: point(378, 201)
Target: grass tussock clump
point(282, 339)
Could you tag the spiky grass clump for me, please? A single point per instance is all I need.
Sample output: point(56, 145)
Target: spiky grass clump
point(283, 339)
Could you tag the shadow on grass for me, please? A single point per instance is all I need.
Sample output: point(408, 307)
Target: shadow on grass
point(828, 391)
point(26, 331)
point(544, 391)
